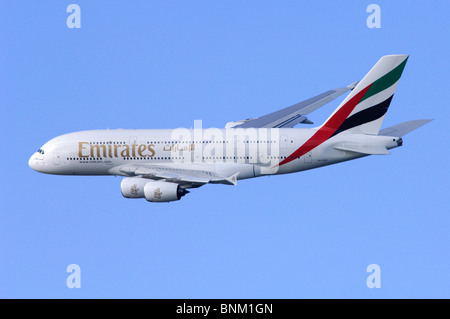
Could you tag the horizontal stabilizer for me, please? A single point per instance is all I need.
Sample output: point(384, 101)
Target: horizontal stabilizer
point(403, 128)
point(364, 149)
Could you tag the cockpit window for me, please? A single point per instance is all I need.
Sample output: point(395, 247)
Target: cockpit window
point(41, 151)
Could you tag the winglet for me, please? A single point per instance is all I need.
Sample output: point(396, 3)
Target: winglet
point(306, 121)
point(233, 179)
point(353, 85)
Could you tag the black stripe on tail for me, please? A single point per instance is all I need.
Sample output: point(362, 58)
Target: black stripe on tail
point(365, 116)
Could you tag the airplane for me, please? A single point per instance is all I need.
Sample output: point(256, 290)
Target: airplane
point(161, 165)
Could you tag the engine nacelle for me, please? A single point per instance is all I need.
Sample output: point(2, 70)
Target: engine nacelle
point(138, 187)
point(133, 187)
point(163, 192)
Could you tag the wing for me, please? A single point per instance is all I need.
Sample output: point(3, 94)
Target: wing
point(188, 178)
point(294, 114)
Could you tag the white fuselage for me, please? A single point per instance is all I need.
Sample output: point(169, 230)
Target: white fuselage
point(250, 152)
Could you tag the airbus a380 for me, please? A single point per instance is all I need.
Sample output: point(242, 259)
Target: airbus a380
point(160, 165)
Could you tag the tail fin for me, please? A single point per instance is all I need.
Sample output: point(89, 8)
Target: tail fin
point(363, 110)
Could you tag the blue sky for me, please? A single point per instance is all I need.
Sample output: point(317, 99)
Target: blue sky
point(164, 64)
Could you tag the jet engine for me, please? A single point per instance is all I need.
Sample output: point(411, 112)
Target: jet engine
point(163, 192)
point(133, 187)
point(138, 187)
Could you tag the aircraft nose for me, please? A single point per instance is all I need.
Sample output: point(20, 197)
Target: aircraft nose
point(36, 162)
point(32, 161)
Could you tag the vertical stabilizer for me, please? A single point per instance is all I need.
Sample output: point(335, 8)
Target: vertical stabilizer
point(363, 110)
